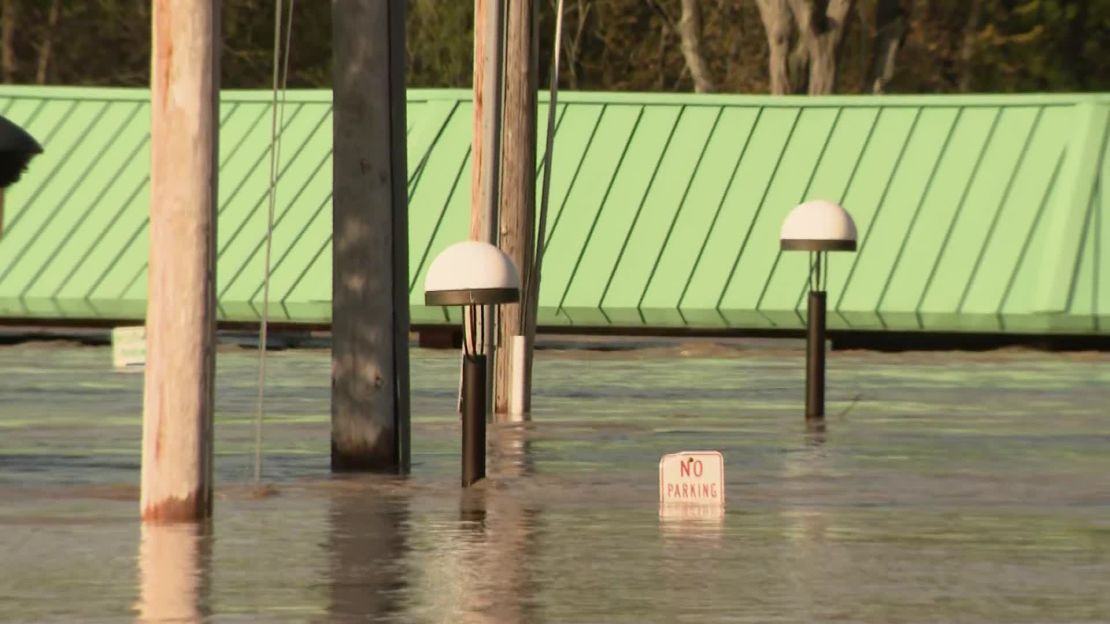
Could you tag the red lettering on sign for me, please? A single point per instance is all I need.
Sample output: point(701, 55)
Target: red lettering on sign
point(692, 484)
point(693, 465)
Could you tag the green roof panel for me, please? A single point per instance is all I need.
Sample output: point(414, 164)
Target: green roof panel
point(975, 213)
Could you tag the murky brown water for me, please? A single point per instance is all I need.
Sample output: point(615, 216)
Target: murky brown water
point(947, 488)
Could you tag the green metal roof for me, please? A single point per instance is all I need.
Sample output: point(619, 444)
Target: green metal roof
point(981, 213)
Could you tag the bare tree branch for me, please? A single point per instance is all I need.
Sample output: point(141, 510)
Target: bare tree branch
point(7, 32)
point(689, 30)
point(47, 42)
point(776, 23)
point(572, 45)
point(798, 64)
point(891, 22)
point(657, 6)
point(967, 47)
point(821, 26)
point(661, 57)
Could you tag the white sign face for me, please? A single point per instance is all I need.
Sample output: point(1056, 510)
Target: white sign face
point(692, 478)
point(129, 347)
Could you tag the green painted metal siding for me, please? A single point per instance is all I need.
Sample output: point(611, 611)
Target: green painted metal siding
point(981, 213)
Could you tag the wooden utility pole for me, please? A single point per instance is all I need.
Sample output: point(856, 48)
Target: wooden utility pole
point(477, 146)
point(181, 305)
point(518, 195)
point(370, 321)
point(477, 149)
point(486, 147)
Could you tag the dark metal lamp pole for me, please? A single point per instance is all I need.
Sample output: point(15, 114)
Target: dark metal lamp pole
point(815, 346)
point(817, 227)
point(477, 276)
point(474, 401)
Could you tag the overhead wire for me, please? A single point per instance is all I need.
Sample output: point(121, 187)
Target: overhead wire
point(545, 188)
point(277, 121)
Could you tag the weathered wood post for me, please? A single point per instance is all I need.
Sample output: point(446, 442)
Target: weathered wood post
point(477, 143)
point(486, 146)
point(180, 317)
point(370, 318)
point(518, 203)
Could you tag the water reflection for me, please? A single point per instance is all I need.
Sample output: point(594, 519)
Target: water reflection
point(509, 452)
point(497, 544)
point(174, 570)
point(367, 545)
point(815, 433)
point(809, 562)
point(404, 552)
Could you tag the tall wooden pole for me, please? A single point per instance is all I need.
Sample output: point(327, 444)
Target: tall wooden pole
point(180, 317)
point(369, 406)
point(486, 150)
point(477, 145)
point(518, 192)
point(486, 145)
point(477, 148)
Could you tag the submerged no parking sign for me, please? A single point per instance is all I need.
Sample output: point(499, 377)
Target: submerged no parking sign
point(692, 477)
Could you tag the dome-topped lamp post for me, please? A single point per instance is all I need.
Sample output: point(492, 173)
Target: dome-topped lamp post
point(474, 275)
point(817, 227)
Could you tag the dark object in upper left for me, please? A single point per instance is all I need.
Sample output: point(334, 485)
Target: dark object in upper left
point(17, 148)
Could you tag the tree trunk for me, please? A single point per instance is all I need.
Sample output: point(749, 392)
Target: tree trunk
point(890, 19)
point(48, 42)
point(7, 32)
point(776, 23)
point(518, 183)
point(571, 45)
point(967, 47)
point(798, 65)
point(689, 29)
point(821, 26)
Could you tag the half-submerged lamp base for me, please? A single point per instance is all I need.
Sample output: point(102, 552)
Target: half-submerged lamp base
point(815, 357)
point(474, 419)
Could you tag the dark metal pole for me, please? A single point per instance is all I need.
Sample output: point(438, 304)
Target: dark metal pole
point(474, 419)
point(815, 357)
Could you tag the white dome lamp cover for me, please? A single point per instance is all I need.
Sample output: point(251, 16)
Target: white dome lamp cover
point(471, 273)
point(818, 225)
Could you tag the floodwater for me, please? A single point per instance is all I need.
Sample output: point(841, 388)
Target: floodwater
point(946, 488)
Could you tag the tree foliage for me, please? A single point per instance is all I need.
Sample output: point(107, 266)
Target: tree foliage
point(926, 46)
